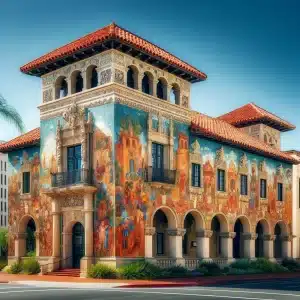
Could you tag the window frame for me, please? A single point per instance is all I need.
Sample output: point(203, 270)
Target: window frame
point(281, 195)
point(219, 170)
point(263, 195)
point(199, 183)
point(24, 189)
point(241, 184)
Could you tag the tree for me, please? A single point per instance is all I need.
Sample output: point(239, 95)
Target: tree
point(3, 241)
point(10, 114)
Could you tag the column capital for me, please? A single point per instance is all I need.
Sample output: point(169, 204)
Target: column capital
point(228, 235)
point(176, 232)
point(204, 233)
point(150, 230)
point(269, 237)
point(249, 236)
point(56, 213)
point(21, 236)
point(37, 234)
point(287, 238)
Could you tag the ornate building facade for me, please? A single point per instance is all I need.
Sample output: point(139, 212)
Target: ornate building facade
point(122, 168)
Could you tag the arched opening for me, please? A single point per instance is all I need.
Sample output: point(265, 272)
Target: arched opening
point(146, 84)
point(92, 77)
point(77, 244)
point(261, 229)
point(277, 241)
point(161, 89)
point(160, 223)
point(238, 251)
point(215, 240)
point(175, 94)
point(30, 238)
point(61, 88)
point(76, 82)
point(188, 248)
point(132, 77)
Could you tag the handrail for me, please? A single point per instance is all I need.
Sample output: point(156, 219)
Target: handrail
point(59, 261)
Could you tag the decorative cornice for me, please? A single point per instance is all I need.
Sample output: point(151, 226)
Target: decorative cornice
point(269, 237)
point(176, 232)
point(228, 235)
point(250, 236)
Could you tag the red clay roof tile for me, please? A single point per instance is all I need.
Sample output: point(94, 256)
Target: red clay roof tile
point(222, 131)
point(105, 33)
point(251, 113)
point(28, 139)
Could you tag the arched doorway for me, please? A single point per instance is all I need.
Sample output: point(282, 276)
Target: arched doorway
point(190, 235)
point(77, 244)
point(238, 241)
point(277, 241)
point(259, 242)
point(160, 223)
point(30, 238)
point(215, 241)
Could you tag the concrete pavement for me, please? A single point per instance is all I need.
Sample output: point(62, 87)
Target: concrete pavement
point(266, 290)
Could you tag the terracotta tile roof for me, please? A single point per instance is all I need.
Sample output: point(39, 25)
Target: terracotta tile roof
point(251, 113)
point(28, 139)
point(112, 31)
point(222, 131)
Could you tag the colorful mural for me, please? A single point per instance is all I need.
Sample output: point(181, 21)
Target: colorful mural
point(37, 206)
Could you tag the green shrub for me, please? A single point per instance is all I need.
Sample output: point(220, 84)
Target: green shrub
point(15, 268)
point(31, 254)
point(237, 271)
point(102, 271)
point(243, 264)
point(6, 269)
point(3, 264)
point(267, 266)
point(31, 266)
point(290, 264)
point(140, 270)
point(176, 271)
point(212, 268)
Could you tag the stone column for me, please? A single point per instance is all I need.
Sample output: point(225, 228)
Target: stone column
point(168, 91)
point(155, 82)
point(203, 238)
point(99, 75)
point(287, 246)
point(175, 244)
point(226, 244)
point(55, 235)
point(37, 243)
point(138, 82)
point(149, 233)
point(87, 260)
point(269, 246)
point(69, 82)
point(249, 244)
point(84, 79)
point(20, 245)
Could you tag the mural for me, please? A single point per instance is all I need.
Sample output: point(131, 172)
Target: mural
point(37, 206)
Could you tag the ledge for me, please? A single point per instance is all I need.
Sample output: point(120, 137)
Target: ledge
point(80, 189)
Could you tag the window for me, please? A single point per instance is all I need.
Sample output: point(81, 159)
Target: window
point(94, 79)
point(221, 180)
point(279, 191)
point(160, 243)
point(5, 207)
point(1, 221)
point(4, 193)
point(5, 166)
point(130, 78)
point(78, 83)
point(244, 184)
point(1, 178)
point(160, 90)
point(146, 84)
point(74, 158)
point(131, 164)
point(196, 174)
point(157, 160)
point(61, 88)
point(1, 193)
point(263, 188)
point(5, 179)
point(1, 165)
point(5, 221)
point(26, 182)
point(1, 206)
point(125, 238)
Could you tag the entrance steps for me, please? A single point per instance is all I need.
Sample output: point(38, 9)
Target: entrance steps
point(66, 273)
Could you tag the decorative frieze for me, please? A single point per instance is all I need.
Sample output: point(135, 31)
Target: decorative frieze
point(269, 237)
point(262, 166)
point(105, 76)
point(48, 95)
point(249, 236)
point(72, 201)
point(73, 115)
point(204, 233)
point(228, 235)
point(185, 101)
point(119, 76)
point(176, 232)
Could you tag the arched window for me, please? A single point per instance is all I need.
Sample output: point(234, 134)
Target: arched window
point(76, 82)
point(175, 94)
point(92, 77)
point(161, 89)
point(132, 78)
point(61, 88)
point(146, 84)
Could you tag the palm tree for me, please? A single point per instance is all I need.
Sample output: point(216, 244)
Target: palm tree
point(10, 114)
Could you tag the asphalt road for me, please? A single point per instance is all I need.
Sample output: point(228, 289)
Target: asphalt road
point(263, 290)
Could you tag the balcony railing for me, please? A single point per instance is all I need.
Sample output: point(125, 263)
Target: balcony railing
point(160, 175)
point(79, 176)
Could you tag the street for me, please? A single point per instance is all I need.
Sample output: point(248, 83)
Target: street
point(257, 290)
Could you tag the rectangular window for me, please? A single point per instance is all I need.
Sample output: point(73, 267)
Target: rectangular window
point(1, 206)
point(1, 178)
point(1, 221)
point(5, 166)
point(279, 191)
point(5, 179)
point(196, 175)
point(221, 180)
point(5, 207)
point(263, 188)
point(244, 184)
point(1, 165)
point(160, 243)
point(1, 193)
point(157, 161)
point(74, 158)
point(5, 221)
point(4, 193)
point(26, 182)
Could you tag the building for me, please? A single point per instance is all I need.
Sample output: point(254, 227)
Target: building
point(3, 191)
point(122, 168)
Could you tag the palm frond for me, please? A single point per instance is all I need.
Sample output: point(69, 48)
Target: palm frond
point(10, 114)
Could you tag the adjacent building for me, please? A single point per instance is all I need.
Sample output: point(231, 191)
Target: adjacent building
point(123, 169)
point(3, 191)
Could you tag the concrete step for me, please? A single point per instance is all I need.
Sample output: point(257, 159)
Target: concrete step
point(66, 273)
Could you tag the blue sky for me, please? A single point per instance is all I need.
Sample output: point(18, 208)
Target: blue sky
point(250, 50)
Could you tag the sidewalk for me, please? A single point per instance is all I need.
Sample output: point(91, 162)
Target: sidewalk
point(178, 282)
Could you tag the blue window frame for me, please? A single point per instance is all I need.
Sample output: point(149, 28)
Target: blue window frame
point(221, 180)
point(263, 188)
point(74, 158)
point(157, 159)
point(244, 184)
point(279, 191)
point(196, 175)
